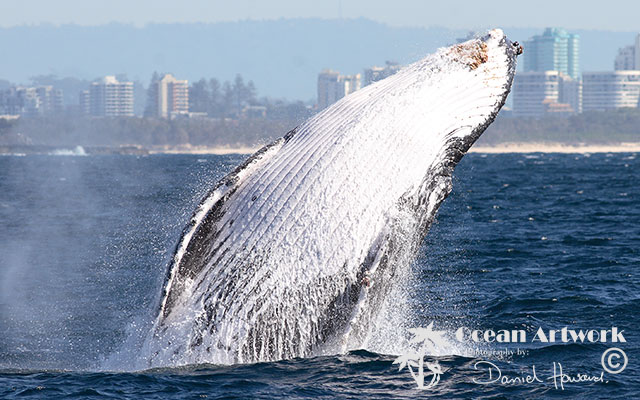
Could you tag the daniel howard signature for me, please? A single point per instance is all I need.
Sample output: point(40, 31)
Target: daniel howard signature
point(492, 374)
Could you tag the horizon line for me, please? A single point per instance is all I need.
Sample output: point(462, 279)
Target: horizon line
point(147, 24)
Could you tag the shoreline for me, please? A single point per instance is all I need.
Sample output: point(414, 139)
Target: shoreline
point(494, 149)
point(579, 148)
point(219, 150)
point(502, 148)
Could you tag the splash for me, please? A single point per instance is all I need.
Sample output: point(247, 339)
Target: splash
point(77, 151)
point(294, 253)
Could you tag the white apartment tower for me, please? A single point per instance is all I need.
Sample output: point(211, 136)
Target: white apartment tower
point(110, 98)
point(628, 57)
point(332, 87)
point(536, 94)
point(637, 51)
point(171, 97)
point(554, 50)
point(31, 101)
point(610, 89)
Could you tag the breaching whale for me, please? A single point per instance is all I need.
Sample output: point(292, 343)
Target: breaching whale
point(294, 251)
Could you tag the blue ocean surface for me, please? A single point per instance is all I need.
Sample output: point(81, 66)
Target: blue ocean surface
point(524, 242)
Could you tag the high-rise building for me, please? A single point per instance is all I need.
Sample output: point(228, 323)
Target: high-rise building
point(638, 51)
point(375, 73)
point(171, 97)
point(51, 102)
point(610, 89)
point(536, 94)
point(571, 93)
point(628, 57)
point(23, 101)
point(31, 101)
point(554, 50)
point(110, 98)
point(85, 103)
point(332, 87)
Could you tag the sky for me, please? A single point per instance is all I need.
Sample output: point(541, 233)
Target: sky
point(616, 15)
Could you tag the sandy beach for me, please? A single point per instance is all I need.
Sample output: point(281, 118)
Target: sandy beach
point(188, 149)
point(478, 148)
point(556, 148)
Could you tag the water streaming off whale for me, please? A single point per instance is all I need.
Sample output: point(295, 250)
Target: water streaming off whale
point(294, 252)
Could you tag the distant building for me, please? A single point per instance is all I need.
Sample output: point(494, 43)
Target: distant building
point(571, 93)
point(332, 87)
point(51, 100)
point(628, 57)
point(170, 97)
point(536, 94)
point(254, 112)
point(85, 104)
point(110, 98)
point(31, 101)
point(610, 89)
point(375, 74)
point(638, 51)
point(22, 101)
point(554, 50)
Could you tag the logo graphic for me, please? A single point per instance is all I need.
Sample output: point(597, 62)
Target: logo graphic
point(611, 360)
point(428, 340)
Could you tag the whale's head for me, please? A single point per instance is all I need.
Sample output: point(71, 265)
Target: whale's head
point(467, 85)
point(491, 48)
point(438, 105)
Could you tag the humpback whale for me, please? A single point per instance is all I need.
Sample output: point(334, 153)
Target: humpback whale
point(294, 252)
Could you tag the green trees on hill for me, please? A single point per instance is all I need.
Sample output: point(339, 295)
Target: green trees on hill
point(87, 131)
point(608, 127)
point(593, 127)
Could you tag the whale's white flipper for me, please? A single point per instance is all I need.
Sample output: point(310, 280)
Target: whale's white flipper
point(294, 251)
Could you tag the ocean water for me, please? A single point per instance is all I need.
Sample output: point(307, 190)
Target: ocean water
point(524, 242)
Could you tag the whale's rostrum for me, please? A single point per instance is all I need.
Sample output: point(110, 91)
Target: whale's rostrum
point(294, 251)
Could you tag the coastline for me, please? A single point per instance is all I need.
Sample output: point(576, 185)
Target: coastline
point(501, 148)
point(580, 148)
point(218, 150)
point(522, 147)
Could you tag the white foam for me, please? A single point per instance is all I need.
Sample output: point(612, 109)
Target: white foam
point(76, 151)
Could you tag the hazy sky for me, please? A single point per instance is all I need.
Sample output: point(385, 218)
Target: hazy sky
point(587, 14)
